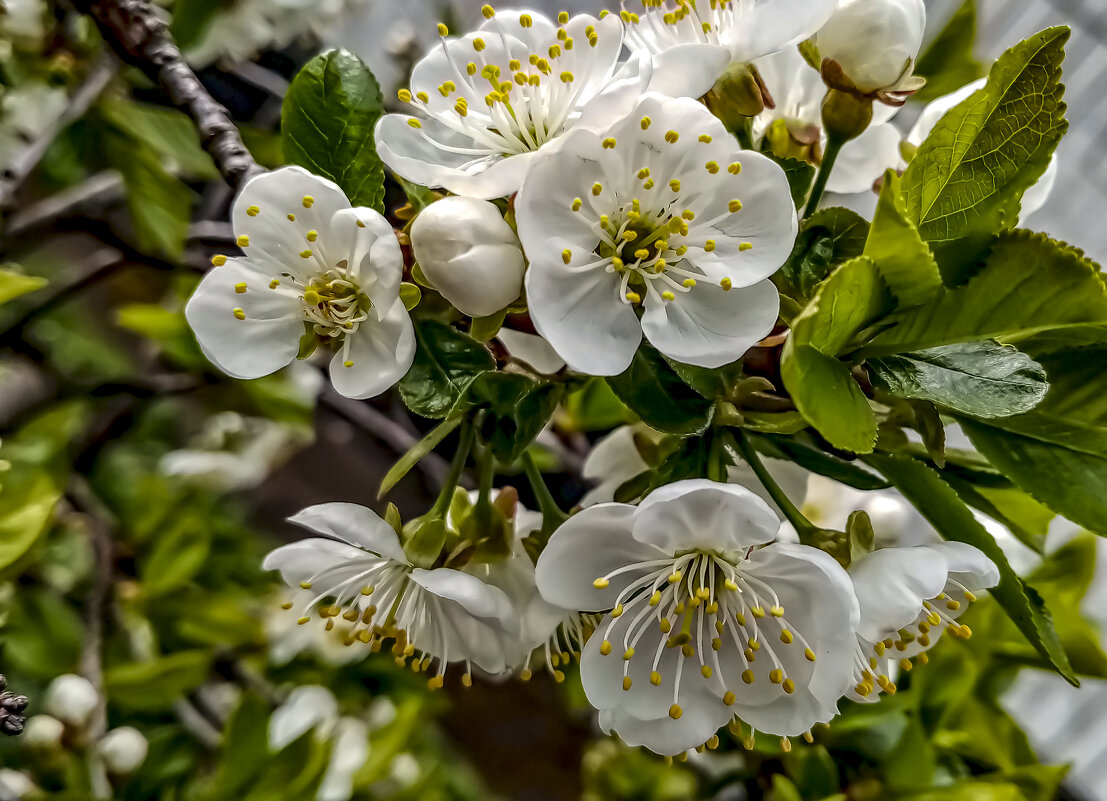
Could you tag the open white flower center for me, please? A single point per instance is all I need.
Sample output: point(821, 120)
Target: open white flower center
point(380, 603)
point(701, 602)
point(500, 95)
point(332, 303)
point(665, 23)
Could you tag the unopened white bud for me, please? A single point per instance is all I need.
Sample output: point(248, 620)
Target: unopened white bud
point(875, 42)
point(43, 731)
point(71, 699)
point(469, 253)
point(15, 784)
point(123, 750)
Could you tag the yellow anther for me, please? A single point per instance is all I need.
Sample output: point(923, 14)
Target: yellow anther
point(655, 678)
point(674, 185)
point(712, 167)
point(634, 297)
point(479, 45)
point(777, 611)
point(734, 168)
point(705, 671)
point(218, 260)
point(240, 314)
point(740, 618)
point(675, 576)
point(597, 189)
point(628, 654)
point(559, 677)
point(788, 686)
point(809, 655)
point(312, 236)
point(953, 606)
point(423, 96)
point(253, 211)
point(305, 254)
point(240, 288)
point(643, 173)
point(688, 650)
point(567, 256)
point(526, 21)
point(436, 682)
point(525, 674)
point(605, 647)
point(744, 246)
point(879, 648)
point(488, 11)
point(642, 254)
point(303, 620)
point(471, 68)
point(735, 206)
point(706, 139)
point(672, 137)
point(443, 30)
point(347, 364)
point(776, 676)
point(758, 612)
point(675, 711)
point(568, 42)
point(655, 599)
point(609, 143)
point(747, 676)
point(786, 637)
point(970, 597)
point(755, 645)
point(562, 34)
point(934, 619)
point(626, 682)
point(563, 17)
point(243, 241)
point(726, 284)
point(668, 295)
point(729, 698)
point(688, 214)
point(286, 605)
point(646, 123)
point(404, 95)
point(292, 218)
point(716, 644)
point(617, 611)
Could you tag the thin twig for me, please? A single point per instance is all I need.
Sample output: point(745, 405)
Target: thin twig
point(24, 164)
point(101, 189)
point(141, 37)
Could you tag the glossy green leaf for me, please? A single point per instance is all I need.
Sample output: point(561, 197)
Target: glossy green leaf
point(446, 362)
point(826, 394)
point(901, 257)
point(948, 62)
point(158, 683)
point(804, 452)
point(653, 391)
point(177, 554)
point(160, 204)
point(1029, 284)
point(800, 175)
point(967, 179)
point(427, 444)
point(518, 408)
point(851, 299)
point(979, 379)
point(828, 238)
point(327, 124)
point(941, 506)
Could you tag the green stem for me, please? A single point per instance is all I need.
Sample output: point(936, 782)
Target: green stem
point(804, 527)
point(552, 516)
point(446, 495)
point(744, 132)
point(487, 476)
point(833, 148)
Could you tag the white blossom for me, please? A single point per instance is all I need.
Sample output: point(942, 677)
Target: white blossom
point(43, 731)
point(664, 211)
point(123, 750)
point(470, 254)
point(71, 699)
point(798, 91)
point(364, 586)
point(909, 597)
point(1034, 198)
point(532, 350)
point(707, 617)
point(490, 100)
point(876, 43)
point(313, 265)
point(693, 44)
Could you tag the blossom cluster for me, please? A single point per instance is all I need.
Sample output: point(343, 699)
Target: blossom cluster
point(578, 177)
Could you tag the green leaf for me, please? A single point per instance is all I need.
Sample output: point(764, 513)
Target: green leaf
point(967, 179)
point(160, 204)
point(711, 384)
point(1071, 483)
point(1012, 508)
point(851, 299)
point(828, 238)
point(159, 683)
point(1029, 284)
point(594, 407)
point(901, 257)
point(653, 391)
point(245, 747)
point(518, 409)
point(192, 19)
point(43, 633)
point(327, 124)
point(14, 284)
point(167, 328)
point(446, 362)
point(177, 554)
point(415, 455)
point(804, 452)
point(948, 63)
point(939, 504)
point(800, 176)
point(169, 133)
point(826, 394)
point(979, 379)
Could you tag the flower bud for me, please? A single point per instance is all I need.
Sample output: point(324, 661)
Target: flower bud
point(15, 784)
point(43, 731)
point(470, 254)
point(123, 750)
point(875, 42)
point(71, 699)
point(739, 93)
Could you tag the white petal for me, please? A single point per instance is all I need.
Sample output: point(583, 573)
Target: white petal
point(1036, 196)
point(481, 600)
point(350, 750)
point(791, 478)
point(308, 559)
point(366, 240)
point(532, 349)
point(261, 212)
point(664, 735)
point(590, 544)
point(613, 460)
point(353, 524)
point(767, 27)
point(891, 585)
point(688, 70)
point(864, 160)
point(265, 340)
point(968, 566)
point(705, 515)
point(307, 706)
point(710, 326)
point(376, 356)
point(618, 96)
point(581, 317)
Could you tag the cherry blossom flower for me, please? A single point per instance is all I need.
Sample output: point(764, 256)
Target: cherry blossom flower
point(491, 100)
point(313, 267)
point(707, 617)
point(663, 211)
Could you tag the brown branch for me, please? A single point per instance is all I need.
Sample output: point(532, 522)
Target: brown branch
point(141, 37)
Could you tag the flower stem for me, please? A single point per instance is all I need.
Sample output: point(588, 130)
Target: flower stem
point(552, 516)
point(744, 132)
point(464, 445)
point(833, 148)
point(804, 527)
